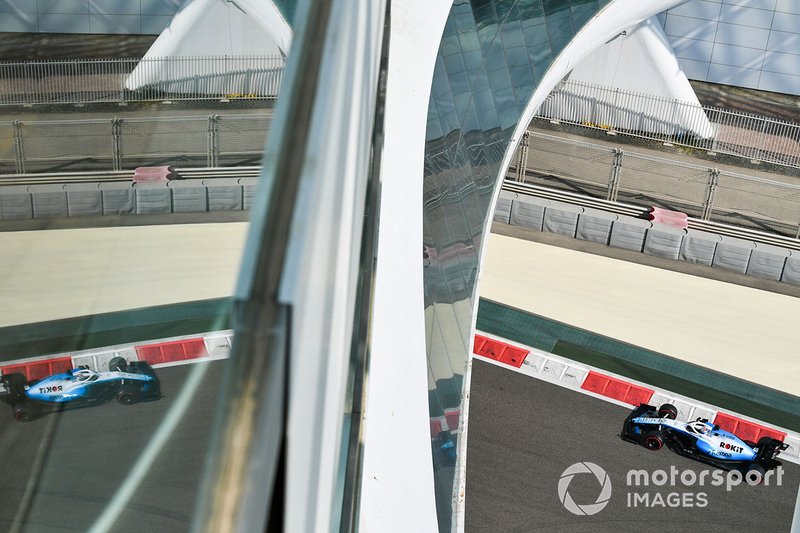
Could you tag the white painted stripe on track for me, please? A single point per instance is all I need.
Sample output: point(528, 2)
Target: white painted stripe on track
point(105, 522)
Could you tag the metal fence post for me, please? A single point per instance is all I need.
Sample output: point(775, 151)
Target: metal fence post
point(522, 160)
point(19, 152)
point(711, 189)
point(616, 172)
point(213, 141)
point(763, 143)
point(116, 143)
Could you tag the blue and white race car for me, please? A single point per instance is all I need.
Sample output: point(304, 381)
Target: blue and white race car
point(699, 439)
point(127, 382)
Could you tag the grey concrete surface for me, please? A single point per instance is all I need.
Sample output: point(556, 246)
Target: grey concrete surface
point(524, 433)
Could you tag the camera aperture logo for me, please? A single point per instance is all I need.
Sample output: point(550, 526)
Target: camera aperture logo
point(602, 498)
point(674, 488)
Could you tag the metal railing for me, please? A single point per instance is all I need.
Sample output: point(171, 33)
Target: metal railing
point(674, 121)
point(219, 77)
point(125, 143)
point(702, 192)
point(83, 81)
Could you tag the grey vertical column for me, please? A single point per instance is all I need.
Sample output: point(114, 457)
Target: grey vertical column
point(116, 143)
point(492, 56)
point(19, 147)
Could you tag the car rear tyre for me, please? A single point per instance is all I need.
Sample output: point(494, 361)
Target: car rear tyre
point(23, 413)
point(755, 474)
point(653, 441)
point(126, 397)
point(117, 364)
point(668, 411)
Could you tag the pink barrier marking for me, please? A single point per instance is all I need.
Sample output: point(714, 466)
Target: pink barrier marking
point(154, 174)
point(671, 218)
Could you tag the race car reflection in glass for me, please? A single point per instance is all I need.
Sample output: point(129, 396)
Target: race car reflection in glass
point(128, 383)
point(492, 56)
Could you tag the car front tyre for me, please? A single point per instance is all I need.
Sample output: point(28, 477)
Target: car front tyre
point(117, 364)
point(126, 397)
point(668, 411)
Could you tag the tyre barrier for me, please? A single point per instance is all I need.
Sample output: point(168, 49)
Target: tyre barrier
point(144, 197)
point(626, 392)
point(159, 353)
point(663, 236)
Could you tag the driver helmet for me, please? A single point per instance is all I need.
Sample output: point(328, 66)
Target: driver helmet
point(83, 374)
point(700, 427)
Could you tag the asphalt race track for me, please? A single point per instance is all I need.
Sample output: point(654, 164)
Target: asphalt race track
point(523, 434)
point(60, 472)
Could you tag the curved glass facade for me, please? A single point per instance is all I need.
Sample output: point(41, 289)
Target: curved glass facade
point(492, 56)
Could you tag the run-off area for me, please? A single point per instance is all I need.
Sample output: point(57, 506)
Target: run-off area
point(525, 433)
